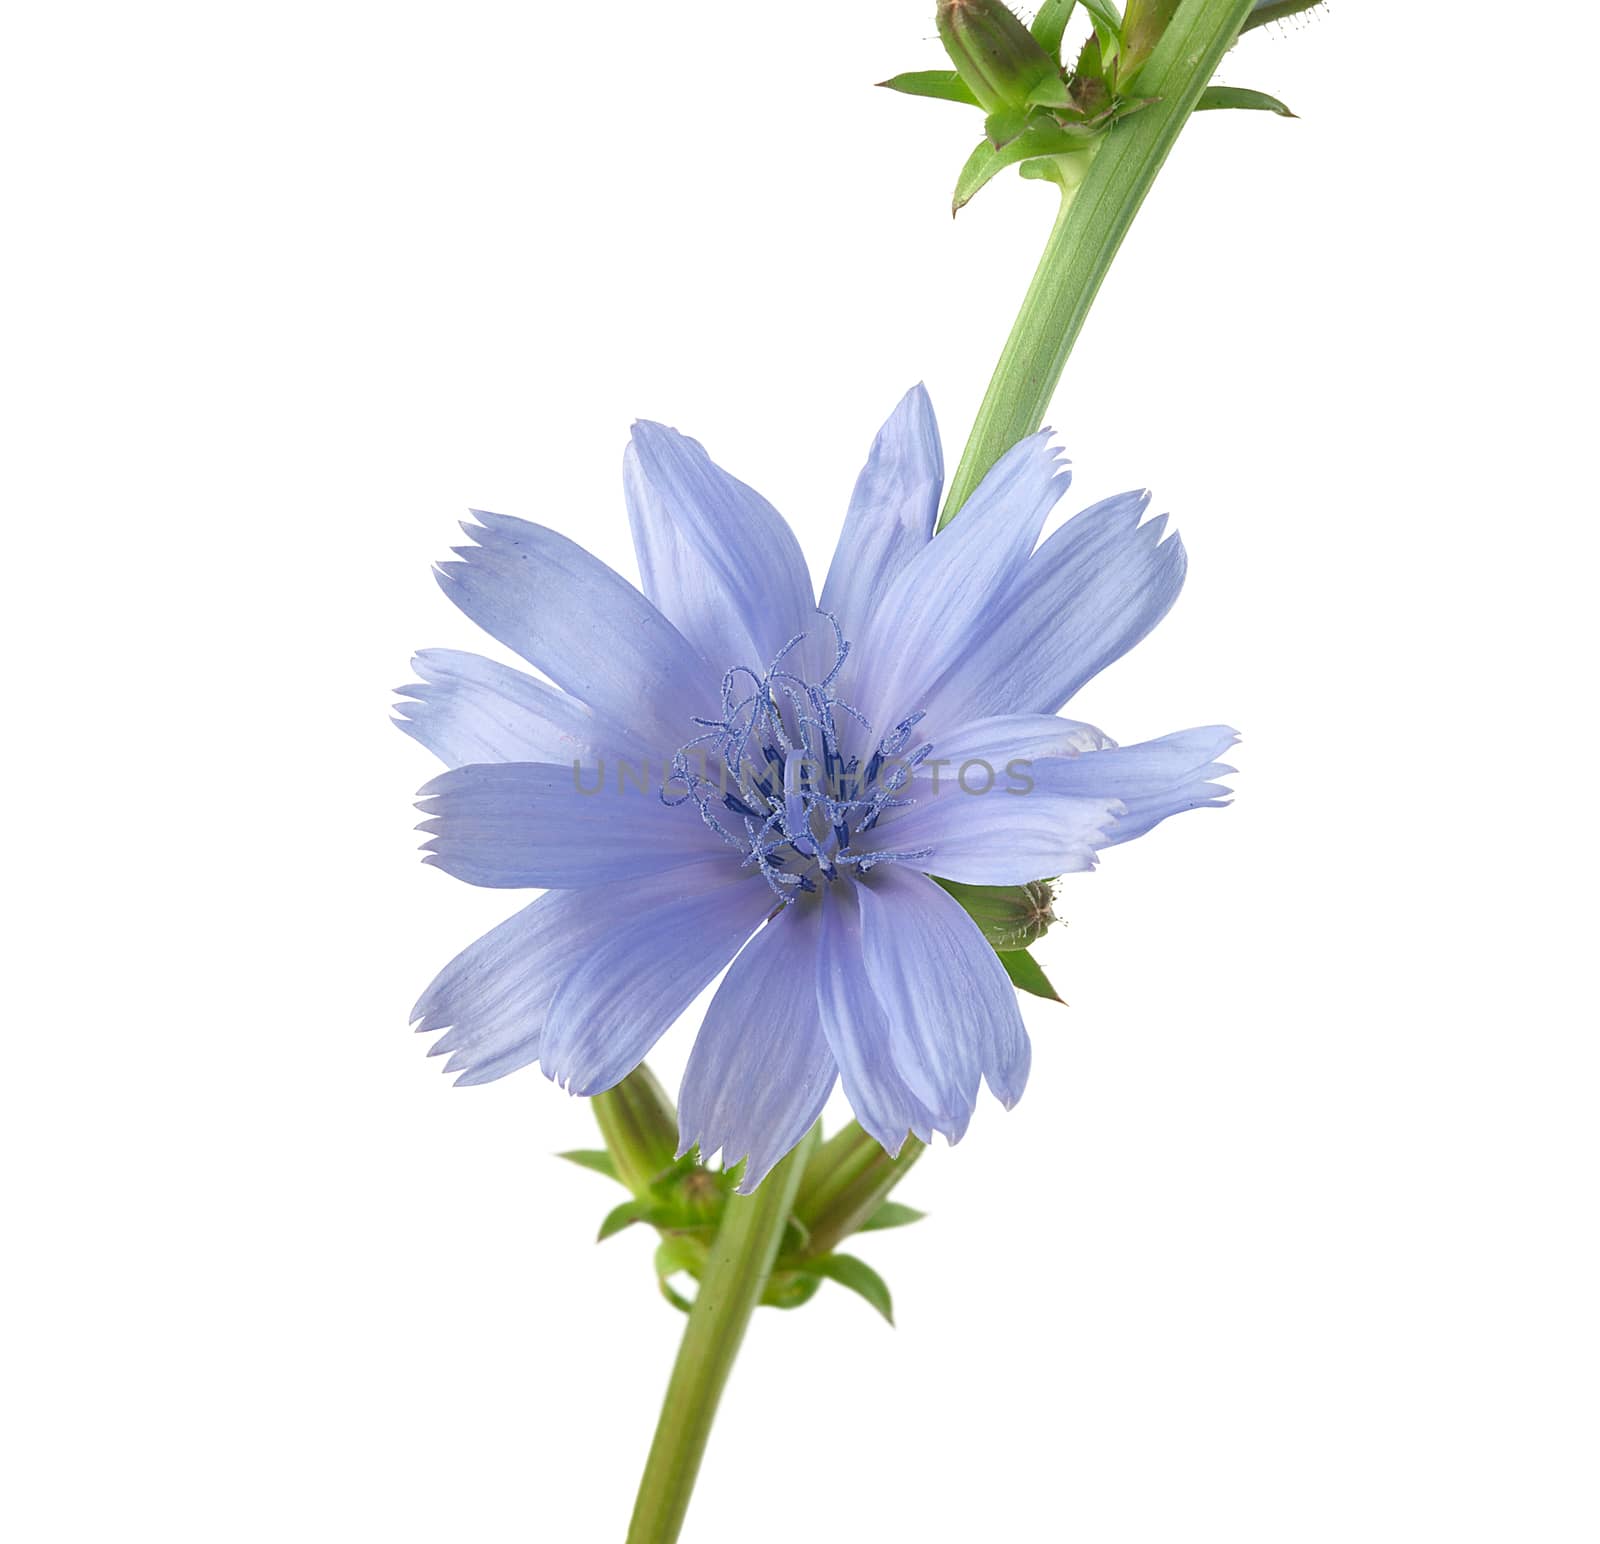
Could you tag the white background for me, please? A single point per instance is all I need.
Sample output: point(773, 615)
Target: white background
point(1293, 1236)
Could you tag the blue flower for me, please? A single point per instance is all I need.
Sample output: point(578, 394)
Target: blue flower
point(726, 766)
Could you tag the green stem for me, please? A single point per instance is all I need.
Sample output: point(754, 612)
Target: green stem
point(737, 1268)
point(1093, 220)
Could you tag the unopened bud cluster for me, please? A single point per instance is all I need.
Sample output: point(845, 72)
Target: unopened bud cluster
point(1046, 110)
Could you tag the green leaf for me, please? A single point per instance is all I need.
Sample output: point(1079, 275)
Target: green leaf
point(1107, 29)
point(619, 1217)
point(1004, 125)
point(678, 1252)
point(1236, 96)
point(1089, 88)
point(943, 85)
point(1043, 137)
point(1277, 10)
point(791, 1289)
point(1106, 15)
point(674, 1256)
point(1126, 107)
point(1027, 976)
point(859, 1277)
point(1009, 916)
point(1051, 23)
point(892, 1214)
point(597, 1159)
point(1067, 172)
point(1142, 27)
point(1050, 92)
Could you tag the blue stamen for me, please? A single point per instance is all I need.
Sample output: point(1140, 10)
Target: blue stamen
point(790, 726)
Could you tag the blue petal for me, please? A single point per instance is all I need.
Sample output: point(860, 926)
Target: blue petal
point(1091, 592)
point(984, 814)
point(584, 626)
point(892, 511)
point(466, 708)
point(528, 825)
point(999, 739)
point(760, 1071)
point(1029, 796)
point(669, 938)
point(944, 601)
point(715, 557)
point(951, 1008)
point(1004, 839)
point(1153, 780)
point(858, 1029)
point(491, 998)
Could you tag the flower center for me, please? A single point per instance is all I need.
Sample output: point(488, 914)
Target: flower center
point(774, 776)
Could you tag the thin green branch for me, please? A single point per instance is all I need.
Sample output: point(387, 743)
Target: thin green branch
point(1093, 220)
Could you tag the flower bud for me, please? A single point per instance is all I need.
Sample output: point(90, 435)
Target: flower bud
point(1009, 916)
point(997, 58)
point(845, 1183)
point(640, 1127)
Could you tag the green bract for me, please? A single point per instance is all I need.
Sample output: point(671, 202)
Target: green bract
point(843, 1192)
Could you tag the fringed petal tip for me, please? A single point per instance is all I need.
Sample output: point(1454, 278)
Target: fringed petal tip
point(1044, 435)
point(753, 1176)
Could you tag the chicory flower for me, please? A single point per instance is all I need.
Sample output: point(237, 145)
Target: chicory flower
point(726, 768)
